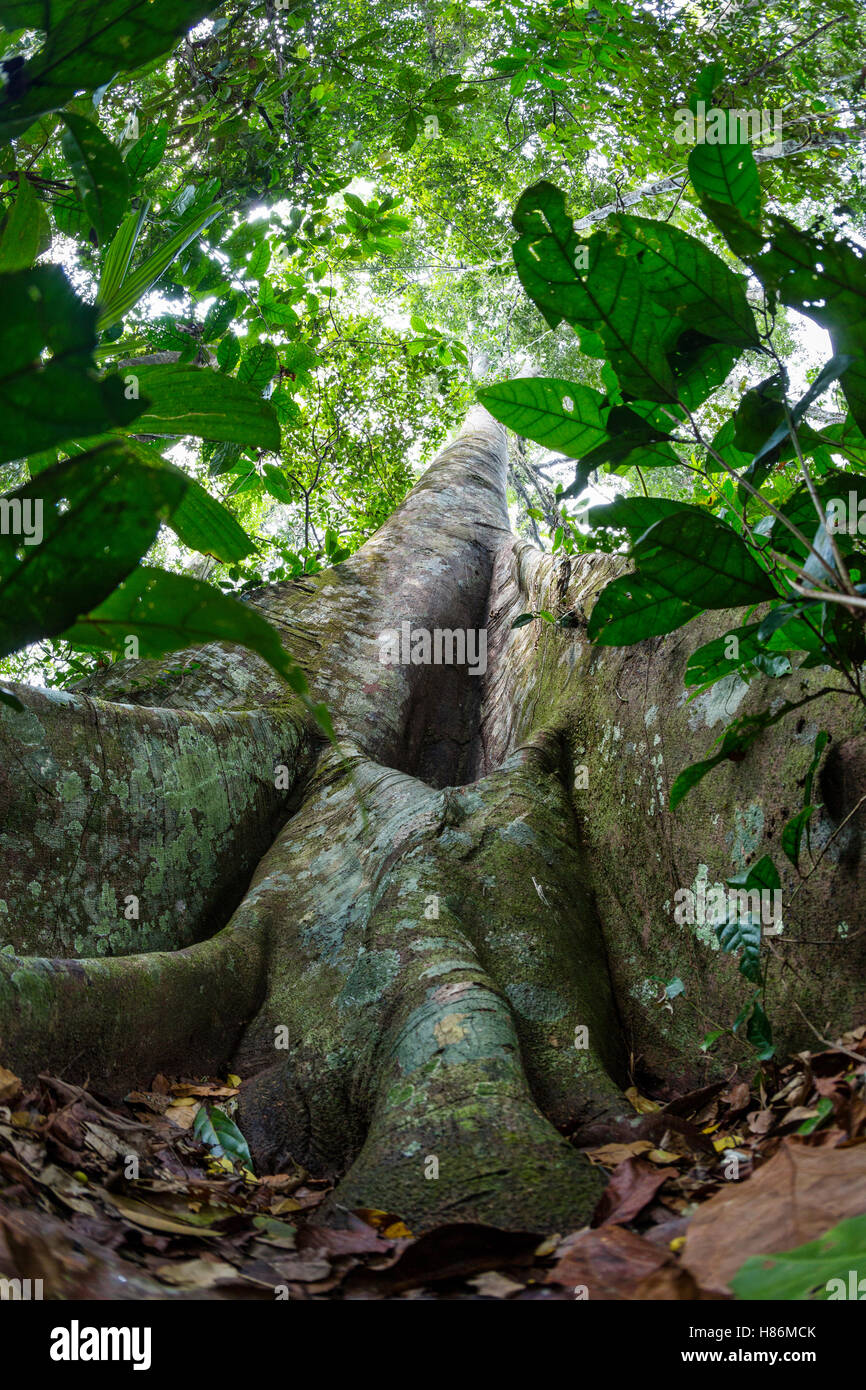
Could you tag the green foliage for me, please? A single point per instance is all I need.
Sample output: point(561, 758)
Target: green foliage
point(104, 494)
point(669, 317)
point(166, 611)
point(310, 204)
point(831, 1267)
point(85, 44)
point(221, 1135)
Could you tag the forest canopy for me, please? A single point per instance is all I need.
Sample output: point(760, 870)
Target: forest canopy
point(275, 250)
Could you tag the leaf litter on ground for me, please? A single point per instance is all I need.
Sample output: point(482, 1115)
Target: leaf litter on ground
point(720, 1192)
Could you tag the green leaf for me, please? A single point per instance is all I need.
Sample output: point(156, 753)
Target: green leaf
point(745, 650)
point(633, 514)
point(113, 306)
point(723, 445)
point(258, 366)
point(199, 520)
point(824, 277)
point(228, 352)
point(608, 302)
point(99, 514)
point(824, 1109)
point(631, 439)
point(559, 414)
point(276, 484)
point(792, 834)
point(202, 402)
point(85, 45)
point(170, 611)
point(217, 319)
point(407, 134)
point(689, 279)
point(829, 1267)
point(44, 402)
point(143, 157)
point(741, 934)
point(259, 261)
point(763, 874)
point(221, 1135)
point(633, 607)
point(698, 558)
point(224, 458)
point(119, 253)
point(19, 239)
point(759, 1032)
point(831, 371)
point(99, 173)
point(849, 489)
point(821, 741)
point(726, 174)
point(699, 365)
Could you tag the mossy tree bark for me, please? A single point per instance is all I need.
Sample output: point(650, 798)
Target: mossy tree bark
point(437, 954)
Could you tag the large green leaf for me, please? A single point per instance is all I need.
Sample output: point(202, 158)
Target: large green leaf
point(632, 607)
point(634, 514)
point(33, 14)
point(85, 45)
point(831, 371)
point(115, 301)
point(258, 365)
point(823, 276)
point(725, 173)
point(44, 402)
point(699, 365)
point(701, 560)
point(143, 157)
point(559, 414)
point(119, 253)
point(609, 301)
point(99, 513)
point(580, 422)
point(711, 662)
point(19, 239)
point(831, 1267)
point(199, 520)
point(836, 486)
point(690, 280)
point(207, 404)
point(630, 439)
point(169, 611)
point(99, 173)
point(723, 447)
point(222, 1136)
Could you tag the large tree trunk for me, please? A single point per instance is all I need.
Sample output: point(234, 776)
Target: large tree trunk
point(432, 955)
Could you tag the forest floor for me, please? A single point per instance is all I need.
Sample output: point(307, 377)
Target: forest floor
point(152, 1199)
